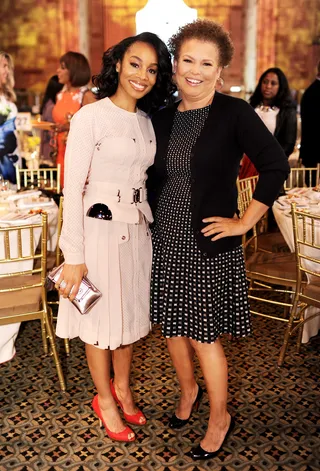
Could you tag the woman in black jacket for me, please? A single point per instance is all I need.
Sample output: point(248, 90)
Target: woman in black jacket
point(199, 288)
point(271, 94)
point(273, 103)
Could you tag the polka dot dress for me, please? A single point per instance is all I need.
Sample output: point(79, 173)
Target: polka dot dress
point(192, 296)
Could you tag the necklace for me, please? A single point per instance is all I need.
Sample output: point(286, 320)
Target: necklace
point(266, 108)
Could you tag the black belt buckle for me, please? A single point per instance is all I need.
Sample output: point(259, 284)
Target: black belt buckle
point(99, 211)
point(136, 195)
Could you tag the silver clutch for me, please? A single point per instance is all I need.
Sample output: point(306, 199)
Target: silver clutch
point(88, 295)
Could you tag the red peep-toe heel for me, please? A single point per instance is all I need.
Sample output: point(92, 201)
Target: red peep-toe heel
point(135, 419)
point(127, 435)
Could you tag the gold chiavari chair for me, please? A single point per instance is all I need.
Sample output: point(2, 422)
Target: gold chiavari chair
point(302, 176)
point(306, 231)
point(272, 276)
point(45, 178)
point(262, 240)
point(23, 294)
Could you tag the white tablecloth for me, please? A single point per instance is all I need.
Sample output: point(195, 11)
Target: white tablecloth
point(8, 333)
point(281, 211)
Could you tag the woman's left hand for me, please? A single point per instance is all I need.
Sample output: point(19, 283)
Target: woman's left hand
point(224, 227)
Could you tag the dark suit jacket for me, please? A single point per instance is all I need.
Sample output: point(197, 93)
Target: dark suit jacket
point(310, 125)
point(231, 129)
point(286, 129)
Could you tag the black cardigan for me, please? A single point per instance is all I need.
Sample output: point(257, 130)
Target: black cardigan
point(231, 129)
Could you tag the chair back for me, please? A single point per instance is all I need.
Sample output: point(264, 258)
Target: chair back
point(19, 246)
point(244, 200)
point(45, 178)
point(302, 176)
point(306, 232)
point(244, 182)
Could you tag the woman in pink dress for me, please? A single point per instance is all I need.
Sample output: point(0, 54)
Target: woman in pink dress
point(110, 146)
point(74, 74)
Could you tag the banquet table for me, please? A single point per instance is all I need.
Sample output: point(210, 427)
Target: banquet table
point(17, 209)
point(308, 199)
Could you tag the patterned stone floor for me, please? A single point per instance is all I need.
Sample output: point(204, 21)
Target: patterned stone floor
point(276, 410)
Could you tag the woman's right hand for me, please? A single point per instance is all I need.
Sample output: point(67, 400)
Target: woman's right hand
point(70, 279)
point(62, 127)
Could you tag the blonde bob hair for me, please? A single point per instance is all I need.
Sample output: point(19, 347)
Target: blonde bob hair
point(7, 88)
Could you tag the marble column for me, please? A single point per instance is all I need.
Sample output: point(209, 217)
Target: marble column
point(84, 40)
point(250, 67)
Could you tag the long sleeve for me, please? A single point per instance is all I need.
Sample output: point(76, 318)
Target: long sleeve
point(265, 153)
point(286, 135)
point(79, 151)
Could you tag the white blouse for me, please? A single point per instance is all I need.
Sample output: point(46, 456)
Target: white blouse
point(268, 116)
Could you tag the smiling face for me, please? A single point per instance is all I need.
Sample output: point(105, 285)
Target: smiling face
point(197, 70)
point(4, 70)
point(137, 73)
point(63, 74)
point(269, 87)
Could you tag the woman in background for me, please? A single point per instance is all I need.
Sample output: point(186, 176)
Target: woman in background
point(8, 112)
point(273, 102)
point(48, 102)
point(74, 74)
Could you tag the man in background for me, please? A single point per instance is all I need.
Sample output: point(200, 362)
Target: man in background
point(310, 126)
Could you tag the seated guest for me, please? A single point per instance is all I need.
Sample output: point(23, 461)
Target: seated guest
point(49, 100)
point(8, 113)
point(273, 102)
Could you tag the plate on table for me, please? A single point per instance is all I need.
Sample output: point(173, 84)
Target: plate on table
point(16, 217)
point(24, 194)
point(298, 191)
point(300, 201)
point(40, 203)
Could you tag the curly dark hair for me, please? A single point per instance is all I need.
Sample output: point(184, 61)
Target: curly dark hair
point(107, 81)
point(204, 30)
point(282, 99)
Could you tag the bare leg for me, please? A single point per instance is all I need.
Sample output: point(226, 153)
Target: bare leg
point(215, 371)
point(182, 354)
point(121, 359)
point(99, 366)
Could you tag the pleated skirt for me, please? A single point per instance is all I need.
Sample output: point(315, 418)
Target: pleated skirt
point(118, 256)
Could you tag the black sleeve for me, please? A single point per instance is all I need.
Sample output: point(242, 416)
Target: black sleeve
point(264, 151)
point(287, 134)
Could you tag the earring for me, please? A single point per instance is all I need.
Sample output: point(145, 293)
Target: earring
point(221, 83)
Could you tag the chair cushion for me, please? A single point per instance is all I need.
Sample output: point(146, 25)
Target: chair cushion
point(277, 265)
point(19, 302)
point(272, 242)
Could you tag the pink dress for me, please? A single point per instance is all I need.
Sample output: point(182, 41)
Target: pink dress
point(108, 153)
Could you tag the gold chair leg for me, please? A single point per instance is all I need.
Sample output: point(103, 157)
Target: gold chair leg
point(300, 331)
point(67, 346)
point(44, 337)
point(54, 351)
point(288, 332)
